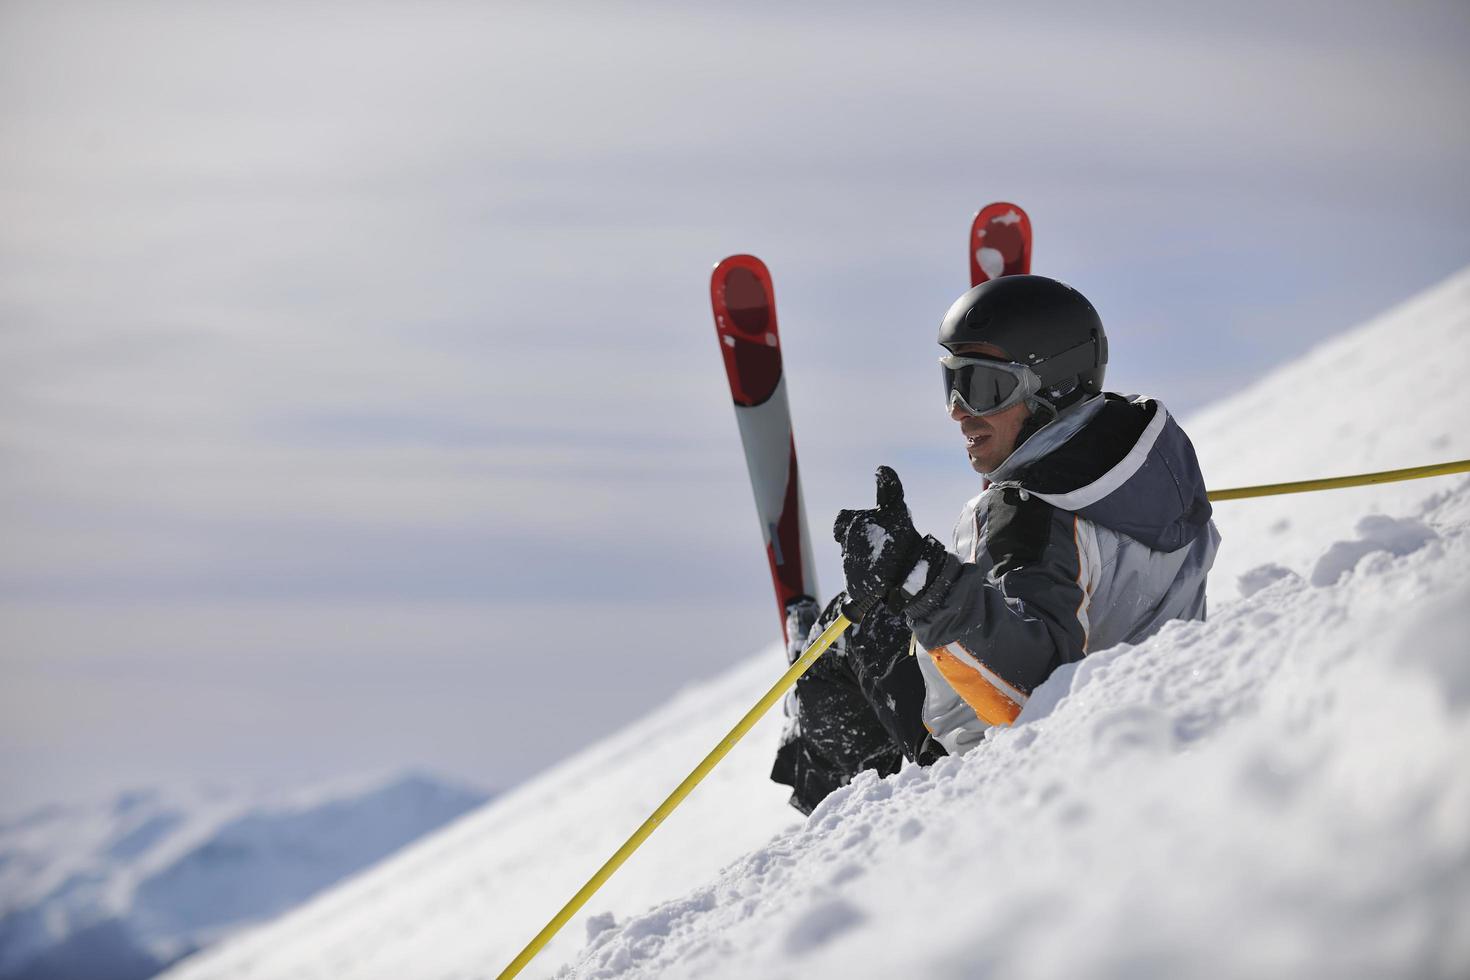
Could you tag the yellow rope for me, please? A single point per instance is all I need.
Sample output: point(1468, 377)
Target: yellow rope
point(1336, 482)
point(745, 724)
point(819, 647)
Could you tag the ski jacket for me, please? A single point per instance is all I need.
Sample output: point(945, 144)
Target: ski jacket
point(1096, 531)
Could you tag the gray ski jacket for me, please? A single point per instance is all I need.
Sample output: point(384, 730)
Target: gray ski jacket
point(1096, 531)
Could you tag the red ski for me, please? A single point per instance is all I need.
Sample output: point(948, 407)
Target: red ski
point(744, 305)
point(1000, 243)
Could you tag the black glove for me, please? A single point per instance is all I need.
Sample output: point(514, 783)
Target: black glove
point(880, 548)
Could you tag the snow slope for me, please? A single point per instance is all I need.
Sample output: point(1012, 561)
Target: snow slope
point(1281, 791)
point(1392, 393)
point(125, 886)
point(475, 893)
point(1278, 791)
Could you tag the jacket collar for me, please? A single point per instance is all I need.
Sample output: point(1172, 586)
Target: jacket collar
point(1047, 438)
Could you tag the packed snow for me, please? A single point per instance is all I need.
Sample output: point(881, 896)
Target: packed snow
point(119, 888)
point(1278, 791)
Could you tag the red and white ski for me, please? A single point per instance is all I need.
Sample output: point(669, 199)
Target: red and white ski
point(744, 305)
point(1000, 243)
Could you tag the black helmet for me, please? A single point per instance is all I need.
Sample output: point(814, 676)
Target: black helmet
point(1039, 322)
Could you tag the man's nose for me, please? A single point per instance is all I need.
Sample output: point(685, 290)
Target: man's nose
point(957, 413)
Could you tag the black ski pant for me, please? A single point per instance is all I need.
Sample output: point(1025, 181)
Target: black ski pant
point(860, 706)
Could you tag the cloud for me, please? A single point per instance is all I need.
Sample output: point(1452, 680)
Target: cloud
point(349, 302)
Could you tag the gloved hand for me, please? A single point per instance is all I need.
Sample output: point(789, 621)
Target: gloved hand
point(880, 548)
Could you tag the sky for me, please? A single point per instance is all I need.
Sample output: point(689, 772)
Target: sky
point(360, 405)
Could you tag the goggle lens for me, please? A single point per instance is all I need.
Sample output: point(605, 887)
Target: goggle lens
point(981, 386)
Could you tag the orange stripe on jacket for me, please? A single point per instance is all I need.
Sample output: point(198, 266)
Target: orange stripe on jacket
point(990, 703)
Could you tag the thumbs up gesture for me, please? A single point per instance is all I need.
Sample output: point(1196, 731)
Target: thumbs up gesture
point(881, 550)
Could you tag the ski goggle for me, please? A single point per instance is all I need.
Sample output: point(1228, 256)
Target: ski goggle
point(981, 386)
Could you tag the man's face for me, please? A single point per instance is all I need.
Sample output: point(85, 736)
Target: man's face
point(989, 439)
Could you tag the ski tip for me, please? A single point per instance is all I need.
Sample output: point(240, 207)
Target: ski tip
point(1010, 213)
point(744, 300)
point(744, 305)
point(1000, 242)
point(741, 260)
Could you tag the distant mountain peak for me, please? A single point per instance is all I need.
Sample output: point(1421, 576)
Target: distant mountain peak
point(119, 889)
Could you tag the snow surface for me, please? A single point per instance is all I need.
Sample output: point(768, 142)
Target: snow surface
point(1279, 791)
point(122, 887)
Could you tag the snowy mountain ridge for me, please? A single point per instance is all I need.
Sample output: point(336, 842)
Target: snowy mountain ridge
point(1277, 791)
point(121, 887)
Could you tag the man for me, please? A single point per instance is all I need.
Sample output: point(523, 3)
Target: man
point(1092, 529)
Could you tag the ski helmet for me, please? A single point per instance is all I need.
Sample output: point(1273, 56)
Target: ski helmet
point(1041, 323)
